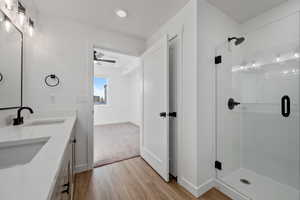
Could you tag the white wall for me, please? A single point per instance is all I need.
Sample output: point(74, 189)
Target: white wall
point(213, 29)
point(186, 19)
point(136, 92)
point(123, 98)
point(60, 46)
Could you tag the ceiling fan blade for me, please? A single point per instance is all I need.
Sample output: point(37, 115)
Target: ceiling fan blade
point(106, 60)
point(102, 60)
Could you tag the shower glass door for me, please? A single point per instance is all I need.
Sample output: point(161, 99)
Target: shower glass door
point(257, 112)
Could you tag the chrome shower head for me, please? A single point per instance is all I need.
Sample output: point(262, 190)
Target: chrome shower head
point(238, 41)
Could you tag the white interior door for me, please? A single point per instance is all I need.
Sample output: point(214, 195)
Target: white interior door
point(155, 138)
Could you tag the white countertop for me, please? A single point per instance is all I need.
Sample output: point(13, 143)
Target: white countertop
point(36, 179)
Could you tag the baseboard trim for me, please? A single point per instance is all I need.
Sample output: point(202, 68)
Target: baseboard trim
point(81, 168)
point(205, 187)
point(117, 123)
point(197, 191)
point(230, 192)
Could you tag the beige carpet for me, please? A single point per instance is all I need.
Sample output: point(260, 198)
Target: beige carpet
point(115, 142)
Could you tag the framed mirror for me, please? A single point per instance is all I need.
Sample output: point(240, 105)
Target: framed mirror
point(11, 64)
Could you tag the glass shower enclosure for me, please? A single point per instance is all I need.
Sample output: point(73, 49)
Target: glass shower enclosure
point(257, 112)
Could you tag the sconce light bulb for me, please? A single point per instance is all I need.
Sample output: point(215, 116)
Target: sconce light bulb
point(7, 25)
point(22, 18)
point(31, 31)
point(297, 55)
point(30, 27)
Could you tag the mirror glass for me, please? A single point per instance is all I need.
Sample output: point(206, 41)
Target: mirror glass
point(11, 42)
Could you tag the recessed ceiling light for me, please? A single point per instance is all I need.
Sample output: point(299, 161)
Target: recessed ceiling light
point(121, 13)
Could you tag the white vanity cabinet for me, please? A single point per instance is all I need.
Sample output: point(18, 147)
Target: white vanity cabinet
point(64, 186)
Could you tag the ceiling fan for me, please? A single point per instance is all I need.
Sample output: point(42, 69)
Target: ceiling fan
point(98, 58)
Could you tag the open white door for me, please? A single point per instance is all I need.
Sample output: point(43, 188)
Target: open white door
point(155, 137)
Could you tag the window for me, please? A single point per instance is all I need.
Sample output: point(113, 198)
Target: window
point(100, 91)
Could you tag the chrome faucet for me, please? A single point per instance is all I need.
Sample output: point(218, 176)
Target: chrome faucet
point(20, 120)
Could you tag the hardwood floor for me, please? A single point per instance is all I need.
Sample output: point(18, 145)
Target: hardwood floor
point(132, 180)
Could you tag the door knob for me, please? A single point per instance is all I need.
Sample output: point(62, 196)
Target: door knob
point(232, 103)
point(163, 114)
point(172, 114)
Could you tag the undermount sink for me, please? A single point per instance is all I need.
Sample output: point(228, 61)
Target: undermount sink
point(20, 153)
point(45, 122)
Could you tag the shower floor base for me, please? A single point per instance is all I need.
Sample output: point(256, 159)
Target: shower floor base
point(260, 187)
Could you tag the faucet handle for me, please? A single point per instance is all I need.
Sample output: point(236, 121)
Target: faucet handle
point(18, 121)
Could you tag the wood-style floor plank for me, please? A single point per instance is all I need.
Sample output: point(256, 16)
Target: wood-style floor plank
point(132, 179)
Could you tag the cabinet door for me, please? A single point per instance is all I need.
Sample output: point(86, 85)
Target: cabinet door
point(64, 187)
point(72, 165)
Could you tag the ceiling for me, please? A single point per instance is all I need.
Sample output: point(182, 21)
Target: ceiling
point(144, 16)
point(243, 10)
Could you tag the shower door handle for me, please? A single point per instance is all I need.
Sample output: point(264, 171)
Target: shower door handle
point(285, 106)
point(232, 103)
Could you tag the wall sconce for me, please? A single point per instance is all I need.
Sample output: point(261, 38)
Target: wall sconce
point(30, 27)
point(21, 13)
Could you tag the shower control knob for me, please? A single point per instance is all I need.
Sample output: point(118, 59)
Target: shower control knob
point(232, 103)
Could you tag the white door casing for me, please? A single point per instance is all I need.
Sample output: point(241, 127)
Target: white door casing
point(155, 138)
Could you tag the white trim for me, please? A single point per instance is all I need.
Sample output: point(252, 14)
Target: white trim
point(149, 154)
point(205, 187)
point(90, 88)
point(180, 164)
point(197, 191)
point(90, 117)
point(230, 192)
point(81, 168)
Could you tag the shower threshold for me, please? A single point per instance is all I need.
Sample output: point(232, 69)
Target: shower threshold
point(259, 187)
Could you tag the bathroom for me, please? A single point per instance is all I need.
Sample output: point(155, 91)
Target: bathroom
point(219, 99)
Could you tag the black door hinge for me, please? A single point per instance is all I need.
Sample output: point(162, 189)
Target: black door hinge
point(218, 165)
point(218, 60)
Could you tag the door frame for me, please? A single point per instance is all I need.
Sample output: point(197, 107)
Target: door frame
point(90, 89)
point(180, 165)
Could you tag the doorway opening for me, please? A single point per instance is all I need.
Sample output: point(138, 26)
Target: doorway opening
point(117, 119)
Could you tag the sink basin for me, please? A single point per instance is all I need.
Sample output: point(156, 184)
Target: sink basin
point(20, 153)
point(45, 122)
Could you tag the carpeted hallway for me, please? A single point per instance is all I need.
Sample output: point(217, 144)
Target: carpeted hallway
point(115, 142)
